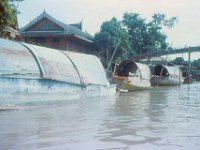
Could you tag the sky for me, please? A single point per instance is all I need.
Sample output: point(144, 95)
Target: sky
point(94, 12)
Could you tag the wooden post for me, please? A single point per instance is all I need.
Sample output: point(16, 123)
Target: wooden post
point(115, 68)
point(107, 70)
point(107, 59)
point(189, 65)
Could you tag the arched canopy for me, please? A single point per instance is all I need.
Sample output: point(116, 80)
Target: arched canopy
point(26, 59)
point(128, 67)
point(16, 60)
point(54, 64)
point(162, 70)
point(89, 67)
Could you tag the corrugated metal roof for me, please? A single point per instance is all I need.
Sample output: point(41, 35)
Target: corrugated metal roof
point(68, 29)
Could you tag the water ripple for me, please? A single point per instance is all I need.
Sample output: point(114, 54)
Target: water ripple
point(160, 118)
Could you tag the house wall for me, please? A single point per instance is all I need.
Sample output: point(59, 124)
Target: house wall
point(64, 43)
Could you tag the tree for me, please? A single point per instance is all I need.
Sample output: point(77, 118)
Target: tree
point(111, 36)
point(179, 61)
point(8, 14)
point(134, 34)
point(196, 64)
point(147, 36)
point(136, 29)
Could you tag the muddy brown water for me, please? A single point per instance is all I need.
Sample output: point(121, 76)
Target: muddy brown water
point(161, 118)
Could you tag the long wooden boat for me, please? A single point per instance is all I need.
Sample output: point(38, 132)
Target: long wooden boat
point(132, 76)
point(30, 73)
point(164, 75)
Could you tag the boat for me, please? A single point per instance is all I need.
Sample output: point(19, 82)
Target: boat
point(132, 76)
point(166, 75)
point(30, 73)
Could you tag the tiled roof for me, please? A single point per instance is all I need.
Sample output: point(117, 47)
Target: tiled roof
point(68, 29)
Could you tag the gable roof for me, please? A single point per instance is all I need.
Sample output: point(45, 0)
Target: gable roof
point(68, 29)
point(77, 25)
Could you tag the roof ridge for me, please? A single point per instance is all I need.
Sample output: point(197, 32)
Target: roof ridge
point(67, 27)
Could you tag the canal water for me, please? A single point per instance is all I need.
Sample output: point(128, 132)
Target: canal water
point(161, 118)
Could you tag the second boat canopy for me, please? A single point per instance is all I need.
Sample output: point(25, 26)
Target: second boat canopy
point(162, 70)
point(131, 68)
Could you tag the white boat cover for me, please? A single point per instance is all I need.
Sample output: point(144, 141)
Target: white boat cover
point(54, 64)
point(144, 70)
point(173, 70)
point(90, 68)
point(26, 59)
point(16, 60)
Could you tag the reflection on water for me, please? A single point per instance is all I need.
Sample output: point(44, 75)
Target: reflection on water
point(159, 118)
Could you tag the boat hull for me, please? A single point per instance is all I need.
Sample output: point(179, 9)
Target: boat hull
point(17, 91)
point(133, 84)
point(166, 81)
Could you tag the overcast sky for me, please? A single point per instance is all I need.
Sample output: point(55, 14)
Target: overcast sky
point(95, 12)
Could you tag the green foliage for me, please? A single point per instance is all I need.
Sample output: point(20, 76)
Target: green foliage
point(136, 28)
point(145, 36)
point(196, 64)
point(111, 36)
point(182, 63)
point(8, 12)
point(179, 61)
point(135, 35)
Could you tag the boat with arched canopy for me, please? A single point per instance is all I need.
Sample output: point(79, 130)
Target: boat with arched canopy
point(31, 73)
point(132, 76)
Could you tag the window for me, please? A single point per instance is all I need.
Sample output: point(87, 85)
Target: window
point(55, 40)
point(56, 43)
point(40, 40)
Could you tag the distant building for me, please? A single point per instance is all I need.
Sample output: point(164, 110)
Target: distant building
point(47, 31)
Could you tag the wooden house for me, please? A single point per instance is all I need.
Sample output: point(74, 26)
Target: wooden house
point(46, 31)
